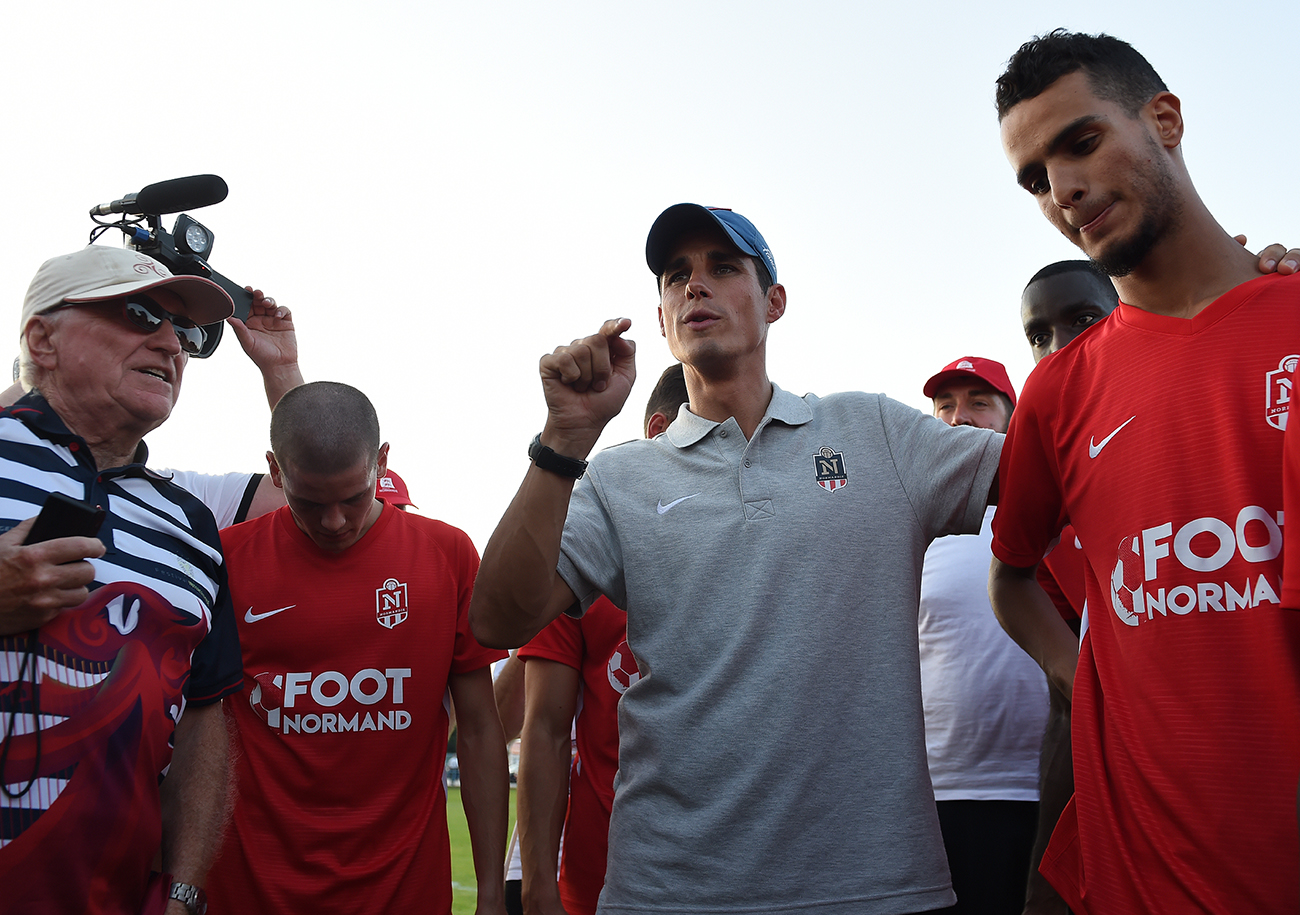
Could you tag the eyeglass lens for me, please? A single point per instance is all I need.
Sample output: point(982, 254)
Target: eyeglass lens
point(148, 315)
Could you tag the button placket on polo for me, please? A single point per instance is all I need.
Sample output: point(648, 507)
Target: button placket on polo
point(755, 493)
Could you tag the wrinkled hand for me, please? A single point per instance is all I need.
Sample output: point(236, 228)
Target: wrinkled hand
point(1276, 258)
point(586, 384)
point(37, 582)
point(267, 336)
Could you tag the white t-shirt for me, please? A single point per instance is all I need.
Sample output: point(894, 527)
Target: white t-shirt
point(222, 493)
point(985, 699)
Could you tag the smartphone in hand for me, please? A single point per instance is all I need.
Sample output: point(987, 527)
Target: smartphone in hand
point(64, 516)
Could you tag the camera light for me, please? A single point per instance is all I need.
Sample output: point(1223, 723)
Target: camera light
point(192, 237)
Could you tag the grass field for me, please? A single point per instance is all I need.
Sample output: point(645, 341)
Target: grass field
point(463, 887)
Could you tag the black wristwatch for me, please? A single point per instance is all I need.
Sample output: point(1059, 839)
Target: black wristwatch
point(545, 458)
point(192, 897)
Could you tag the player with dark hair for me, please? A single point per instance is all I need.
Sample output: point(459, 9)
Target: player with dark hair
point(1115, 71)
point(354, 628)
point(767, 549)
point(1063, 300)
point(1158, 435)
point(666, 398)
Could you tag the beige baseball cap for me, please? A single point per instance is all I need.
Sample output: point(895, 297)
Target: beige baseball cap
point(99, 272)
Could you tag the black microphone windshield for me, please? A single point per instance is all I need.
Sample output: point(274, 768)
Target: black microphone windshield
point(180, 194)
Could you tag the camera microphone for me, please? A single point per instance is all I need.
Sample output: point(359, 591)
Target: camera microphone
point(168, 197)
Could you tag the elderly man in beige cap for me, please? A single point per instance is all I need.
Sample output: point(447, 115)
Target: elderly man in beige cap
point(115, 649)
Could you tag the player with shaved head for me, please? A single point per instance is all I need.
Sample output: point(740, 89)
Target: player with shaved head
point(353, 623)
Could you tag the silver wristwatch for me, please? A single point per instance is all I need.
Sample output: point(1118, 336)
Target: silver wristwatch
point(192, 897)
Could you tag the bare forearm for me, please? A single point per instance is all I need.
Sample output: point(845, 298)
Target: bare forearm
point(485, 789)
point(279, 381)
point(196, 794)
point(518, 590)
point(1029, 617)
point(543, 798)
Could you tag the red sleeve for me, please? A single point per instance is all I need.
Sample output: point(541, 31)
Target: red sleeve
point(1064, 606)
point(1030, 509)
point(560, 641)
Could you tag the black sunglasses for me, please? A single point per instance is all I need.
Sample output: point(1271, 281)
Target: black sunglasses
point(199, 340)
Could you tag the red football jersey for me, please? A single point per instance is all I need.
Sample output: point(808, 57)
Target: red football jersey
point(1160, 440)
point(342, 726)
point(596, 646)
point(1291, 493)
point(1062, 576)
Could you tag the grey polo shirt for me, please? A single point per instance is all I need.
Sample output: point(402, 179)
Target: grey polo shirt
point(772, 755)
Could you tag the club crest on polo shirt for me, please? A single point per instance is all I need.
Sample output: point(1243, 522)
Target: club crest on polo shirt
point(829, 466)
point(390, 603)
point(1277, 397)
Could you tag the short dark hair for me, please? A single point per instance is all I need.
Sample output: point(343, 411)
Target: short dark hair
point(669, 393)
point(324, 427)
point(1116, 72)
point(1081, 266)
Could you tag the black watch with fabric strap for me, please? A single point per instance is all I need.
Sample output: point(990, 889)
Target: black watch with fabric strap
point(545, 458)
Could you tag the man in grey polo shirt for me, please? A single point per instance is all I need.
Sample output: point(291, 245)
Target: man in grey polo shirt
point(768, 550)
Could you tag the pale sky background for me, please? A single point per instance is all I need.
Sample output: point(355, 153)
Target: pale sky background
point(442, 193)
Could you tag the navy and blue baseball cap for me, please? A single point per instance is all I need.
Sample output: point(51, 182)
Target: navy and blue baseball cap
point(684, 217)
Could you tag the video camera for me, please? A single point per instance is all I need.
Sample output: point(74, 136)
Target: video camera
point(184, 250)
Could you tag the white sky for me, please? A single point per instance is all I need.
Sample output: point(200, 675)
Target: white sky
point(442, 193)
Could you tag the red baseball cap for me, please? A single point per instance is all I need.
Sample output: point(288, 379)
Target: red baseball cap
point(969, 368)
point(392, 489)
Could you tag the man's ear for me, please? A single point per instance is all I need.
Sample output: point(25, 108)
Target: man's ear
point(276, 478)
point(1166, 111)
point(657, 423)
point(40, 342)
point(662, 332)
point(775, 302)
point(383, 459)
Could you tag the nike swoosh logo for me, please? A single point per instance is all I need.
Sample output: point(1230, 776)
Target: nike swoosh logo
point(663, 509)
point(1094, 450)
point(251, 617)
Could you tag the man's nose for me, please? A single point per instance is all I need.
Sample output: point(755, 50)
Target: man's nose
point(165, 338)
point(333, 519)
point(697, 287)
point(1068, 187)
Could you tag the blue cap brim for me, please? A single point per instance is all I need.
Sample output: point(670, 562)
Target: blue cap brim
point(682, 218)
